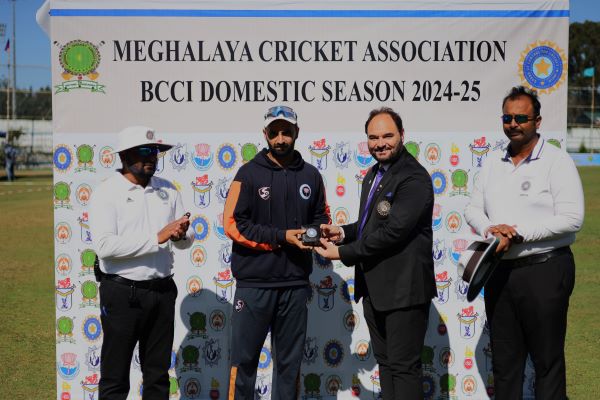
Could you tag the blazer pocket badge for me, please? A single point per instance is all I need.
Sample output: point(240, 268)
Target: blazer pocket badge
point(383, 208)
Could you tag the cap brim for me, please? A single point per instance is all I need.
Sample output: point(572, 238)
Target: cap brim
point(161, 146)
point(270, 120)
point(485, 262)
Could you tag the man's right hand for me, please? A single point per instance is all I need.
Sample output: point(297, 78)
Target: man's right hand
point(174, 230)
point(331, 232)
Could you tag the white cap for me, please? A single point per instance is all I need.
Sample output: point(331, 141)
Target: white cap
point(135, 136)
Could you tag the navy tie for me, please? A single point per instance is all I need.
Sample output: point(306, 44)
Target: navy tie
point(378, 177)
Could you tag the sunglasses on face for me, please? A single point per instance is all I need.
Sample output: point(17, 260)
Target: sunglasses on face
point(280, 110)
point(146, 151)
point(519, 118)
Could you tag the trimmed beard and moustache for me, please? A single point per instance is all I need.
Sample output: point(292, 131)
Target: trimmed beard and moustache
point(138, 172)
point(281, 150)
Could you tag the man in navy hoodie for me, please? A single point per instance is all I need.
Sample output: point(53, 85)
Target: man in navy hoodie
point(270, 202)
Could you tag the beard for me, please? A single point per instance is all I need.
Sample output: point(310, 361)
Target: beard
point(282, 150)
point(393, 154)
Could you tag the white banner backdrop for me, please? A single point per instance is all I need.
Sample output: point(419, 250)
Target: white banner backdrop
point(203, 73)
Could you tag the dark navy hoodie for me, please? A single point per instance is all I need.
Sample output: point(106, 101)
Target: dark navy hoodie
point(264, 201)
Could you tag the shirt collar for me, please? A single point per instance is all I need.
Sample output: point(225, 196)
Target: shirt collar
point(535, 154)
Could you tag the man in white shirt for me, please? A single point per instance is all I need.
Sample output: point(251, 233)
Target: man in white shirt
point(137, 218)
point(531, 199)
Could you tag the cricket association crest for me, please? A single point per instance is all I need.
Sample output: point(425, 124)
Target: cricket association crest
point(224, 286)
point(543, 66)
point(438, 251)
point(64, 294)
point(90, 387)
point(92, 358)
point(326, 290)
point(341, 154)
point(442, 283)
point(201, 188)
point(318, 153)
point(202, 157)
point(79, 60)
point(467, 319)
point(311, 350)
point(479, 149)
point(362, 156)
point(84, 224)
point(211, 352)
point(197, 321)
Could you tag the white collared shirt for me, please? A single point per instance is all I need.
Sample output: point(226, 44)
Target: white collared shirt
point(542, 197)
point(126, 219)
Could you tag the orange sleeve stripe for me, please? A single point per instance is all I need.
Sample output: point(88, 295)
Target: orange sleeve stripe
point(232, 378)
point(229, 221)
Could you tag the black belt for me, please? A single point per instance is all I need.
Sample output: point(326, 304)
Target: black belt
point(536, 258)
point(156, 284)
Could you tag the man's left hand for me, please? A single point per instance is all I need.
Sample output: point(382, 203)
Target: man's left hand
point(328, 250)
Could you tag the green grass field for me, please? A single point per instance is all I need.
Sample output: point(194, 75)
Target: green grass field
point(27, 312)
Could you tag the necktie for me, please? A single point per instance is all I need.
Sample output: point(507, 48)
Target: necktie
point(378, 177)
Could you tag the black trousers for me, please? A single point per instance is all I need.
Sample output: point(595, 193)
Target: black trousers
point(526, 307)
point(397, 337)
point(284, 310)
point(148, 319)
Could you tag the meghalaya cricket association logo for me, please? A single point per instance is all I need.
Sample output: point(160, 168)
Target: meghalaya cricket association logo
point(79, 60)
point(543, 66)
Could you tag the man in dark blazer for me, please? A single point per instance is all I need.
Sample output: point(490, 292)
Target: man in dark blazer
point(390, 246)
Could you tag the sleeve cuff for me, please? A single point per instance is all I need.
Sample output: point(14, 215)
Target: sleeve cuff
point(280, 237)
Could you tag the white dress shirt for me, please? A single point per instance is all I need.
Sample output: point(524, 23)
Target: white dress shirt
point(125, 221)
point(542, 197)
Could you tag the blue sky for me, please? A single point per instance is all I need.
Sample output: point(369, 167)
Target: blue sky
point(33, 47)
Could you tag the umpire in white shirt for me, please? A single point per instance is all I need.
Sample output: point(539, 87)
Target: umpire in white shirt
point(532, 200)
point(137, 218)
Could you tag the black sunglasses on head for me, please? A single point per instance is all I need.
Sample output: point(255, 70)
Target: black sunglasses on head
point(146, 151)
point(519, 118)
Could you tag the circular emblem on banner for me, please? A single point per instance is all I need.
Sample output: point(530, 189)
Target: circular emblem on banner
point(439, 182)
point(63, 264)
point(341, 216)
point(62, 191)
point(543, 66)
point(351, 320)
point(194, 286)
point(85, 154)
point(63, 158)
point(413, 149)
point(64, 326)
point(79, 57)
point(198, 255)
point(249, 151)
point(453, 222)
point(305, 191)
point(362, 350)
point(201, 227)
point(83, 194)
point(446, 357)
point(333, 384)
point(347, 290)
point(469, 385)
point(192, 388)
point(92, 329)
point(428, 386)
point(89, 290)
point(62, 232)
point(333, 353)
point(88, 258)
point(433, 153)
point(217, 320)
point(383, 208)
point(460, 177)
point(264, 359)
point(226, 156)
point(106, 157)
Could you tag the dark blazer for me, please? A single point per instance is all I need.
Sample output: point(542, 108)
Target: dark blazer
point(393, 260)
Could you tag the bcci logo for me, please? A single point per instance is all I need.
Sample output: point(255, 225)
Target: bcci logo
point(79, 60)
point(543, 66)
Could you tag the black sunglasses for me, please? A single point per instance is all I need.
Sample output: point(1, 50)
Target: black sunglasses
point(519, 118)
point(147, 151)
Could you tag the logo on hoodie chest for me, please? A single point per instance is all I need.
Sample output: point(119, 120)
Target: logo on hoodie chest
point(264, 192)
